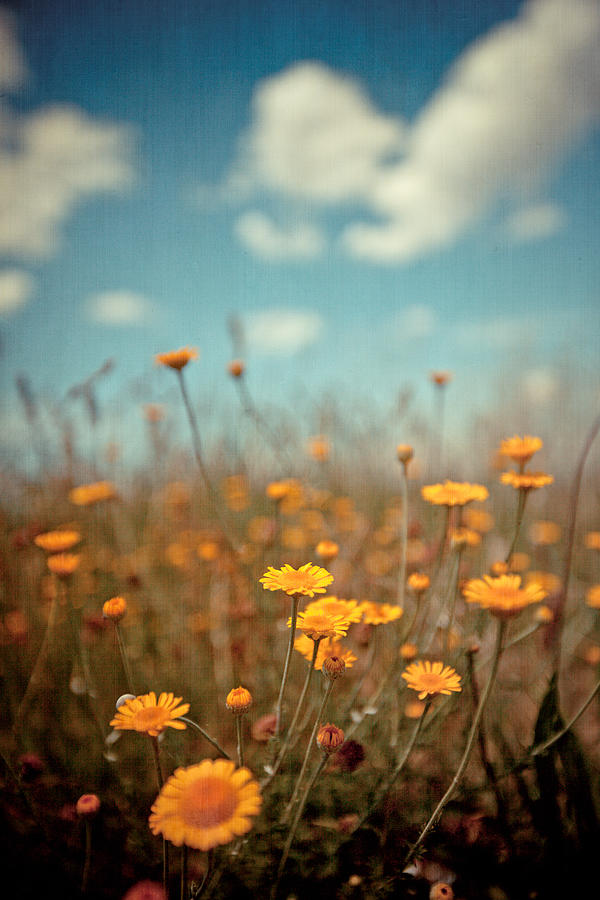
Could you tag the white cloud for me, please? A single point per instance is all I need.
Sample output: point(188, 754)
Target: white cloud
point(540, 385)
point(261, 235)
point(57, 156)
point(12, 63)
point(535, 222)
point(315, 135)
point(414, 322)
point(120, 308)
point(281, 332)
point(16, 288)
point(511, 105)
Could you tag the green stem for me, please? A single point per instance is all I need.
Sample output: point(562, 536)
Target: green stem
point(398, 768)
point(469, 747)
point(124, 660)
point(404, 538)
point(545, 745)
point(88, 856)
point(240, 740)
point(518, 522)
point(286, 667)
point(205, 735)
point(290, 732)
point(309, 747)
point(295, 823)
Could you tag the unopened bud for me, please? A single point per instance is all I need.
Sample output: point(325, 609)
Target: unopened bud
point(239, 701)
point(329, 738)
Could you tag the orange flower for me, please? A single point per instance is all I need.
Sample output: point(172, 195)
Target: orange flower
point(526, 481)
point(478, 519)
point(546, 580)
point(239, 700)
point(453, 493)
point(319, 624)
point(592, 596)
point(503, 596)
point(327, 550)
point(114, 609)
point(236, 368)
point(544, 533)
point(57, 541)
point(380, 613)
point(327, 648)
point(430, 679)
point(592, 540)
point(319, 447)
point(521, 449)
point(176, 359)
point(329, 738)
point(335, 606)
point(440, 378)
point(63, 564)
point(151, 716)
point(464, 537)
point(405, 453)
point(88, 494)
point(308, 580)
point(418, 582)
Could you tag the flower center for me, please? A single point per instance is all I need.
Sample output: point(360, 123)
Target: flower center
point(208, 802)
point(149, 717)
point(429, 681)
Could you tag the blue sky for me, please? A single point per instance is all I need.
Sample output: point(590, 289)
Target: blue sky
point(377, 189)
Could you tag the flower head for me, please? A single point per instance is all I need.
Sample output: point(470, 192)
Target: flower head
point(592, 596)
point(526, 481)
point(544, 532)
point(176, 359)
point(431, 679)
point(418, 582)
point(464, 537)
point(88, 494)
point(380, 613)
point(327, 550)
point(238, 701)
point(328, 647)
point(440, 378)
point(503, 596)
point(151, 716)
point(329, 738)
point(335, 606)
point(319, 447)
point(63, 564)
point(236, 368)
point(87, 805)
point(205, 805)
point(319, 624)
point(453, 493)
point(57, 541)
point(405, 453)
point(114, 609)
point(308, 580)
point(333, 667)
point(521, 449)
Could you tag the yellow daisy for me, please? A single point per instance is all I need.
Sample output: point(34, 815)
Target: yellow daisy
point(176, 359)
point(453, 493)
point(319, 624)
point(88, 494)
point(335, 606)
point(149, 715)
point(526, 481)
point(308, 580)
point(430, 679)
point(521, 449)
point(57, 541)
point(205, 805)
point(379, 613)
point(328, 647)
point(503, 596)
point(63, 564)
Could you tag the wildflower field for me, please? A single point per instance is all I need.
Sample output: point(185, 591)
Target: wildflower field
point(263, 668)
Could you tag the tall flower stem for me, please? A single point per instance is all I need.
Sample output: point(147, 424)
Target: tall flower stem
point(545, 745)
point(197, 447)
point(294, 826)
point(309, 746)
point(124, 660)
point(240, 740)
point(209, 868)
point(518, 522)
point(404, 540)
point(183, 892)
point(453, 598)
point(370, 660)
point(160, 782)
point(290, 732)
point(262, 427)
point(469, 746)
point(88, 856)
point(398, 767)
point(286, 667)
point(205, 735)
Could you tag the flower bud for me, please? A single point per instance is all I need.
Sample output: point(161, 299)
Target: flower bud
point(408, 651)
point(88, 805)
point(405, 453)
point(329, 738)
point(327, 550)
point(333, 667)
point(114, 609)
point(418, 582)
point(236, 368)
point(239, 701)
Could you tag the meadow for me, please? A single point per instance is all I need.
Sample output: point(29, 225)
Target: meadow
point(307, 663)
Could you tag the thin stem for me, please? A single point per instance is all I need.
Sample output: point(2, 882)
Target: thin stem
point(404, 537)
point(286, 667)
point(545, 745)
point(454, 596)
point(184, 861)
point(469, 747)
point(240, 740)
point(165, 846)
point(205, 735)
point(125, 660)
point(371, 657)
point(309, 747)
point(88, 856)
point(290, 732)
point(518, 522)
point(197, 447)
point(398, 768)
point(209, 867)
point(295, 823)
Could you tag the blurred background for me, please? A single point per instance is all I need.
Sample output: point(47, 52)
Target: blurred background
point(347, 194)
